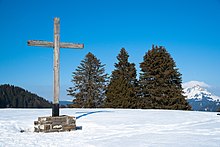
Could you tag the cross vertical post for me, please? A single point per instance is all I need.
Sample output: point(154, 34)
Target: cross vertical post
point(56, 85)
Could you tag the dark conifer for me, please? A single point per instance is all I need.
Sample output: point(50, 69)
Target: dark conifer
point(121, 92)
point(89, 83)
point(160, 81)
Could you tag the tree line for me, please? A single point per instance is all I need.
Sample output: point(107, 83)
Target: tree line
point(16, 97)
point(159, 85)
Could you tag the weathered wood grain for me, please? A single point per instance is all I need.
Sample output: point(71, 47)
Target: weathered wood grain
point(51, 44)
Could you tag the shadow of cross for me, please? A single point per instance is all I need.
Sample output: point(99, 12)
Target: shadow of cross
point(56, 45)
point(89, 113)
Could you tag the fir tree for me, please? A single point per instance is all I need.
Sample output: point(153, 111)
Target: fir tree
point(121, 92)
point(160, 81)
point(89, 83)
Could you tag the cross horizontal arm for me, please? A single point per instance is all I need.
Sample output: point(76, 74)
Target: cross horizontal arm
point(40, 43)
point(51, 44)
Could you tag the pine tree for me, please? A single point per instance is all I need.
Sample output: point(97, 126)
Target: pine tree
point(161, 81)
point(121, 92)
point(89, 83)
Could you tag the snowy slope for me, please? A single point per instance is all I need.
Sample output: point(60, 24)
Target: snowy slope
point(114, 128)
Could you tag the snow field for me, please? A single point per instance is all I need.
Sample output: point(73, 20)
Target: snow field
point(114, 127)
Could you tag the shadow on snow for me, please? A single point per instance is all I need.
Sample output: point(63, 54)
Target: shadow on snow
point(89, 113)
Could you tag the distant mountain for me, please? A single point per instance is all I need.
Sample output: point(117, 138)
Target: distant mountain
point(16, 97)
point(200, 98)
point(65, 103)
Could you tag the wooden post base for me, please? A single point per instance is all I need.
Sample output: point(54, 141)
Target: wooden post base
point(55, 110)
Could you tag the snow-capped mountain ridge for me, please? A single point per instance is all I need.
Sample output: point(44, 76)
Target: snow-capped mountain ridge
point(200, 98)
point(197, 92)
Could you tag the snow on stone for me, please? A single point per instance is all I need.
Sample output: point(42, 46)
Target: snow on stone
point(114, 128)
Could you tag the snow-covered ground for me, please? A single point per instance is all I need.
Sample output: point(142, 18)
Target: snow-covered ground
point(114, 128)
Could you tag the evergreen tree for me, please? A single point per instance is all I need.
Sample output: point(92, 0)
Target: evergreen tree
point(160, 81)
point(90, 82)
point(121, 92)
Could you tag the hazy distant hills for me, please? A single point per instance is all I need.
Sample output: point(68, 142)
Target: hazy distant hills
point(65, 103)
point(200, 98)
point(16, 97)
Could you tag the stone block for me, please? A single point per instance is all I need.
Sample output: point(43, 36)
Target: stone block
point(55, 124)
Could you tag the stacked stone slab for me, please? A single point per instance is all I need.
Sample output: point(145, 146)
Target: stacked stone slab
point(55, 124)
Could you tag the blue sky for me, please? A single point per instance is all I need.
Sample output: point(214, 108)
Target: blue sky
point(189, 30)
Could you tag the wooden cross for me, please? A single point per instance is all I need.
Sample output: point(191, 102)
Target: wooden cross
point(56, 45)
